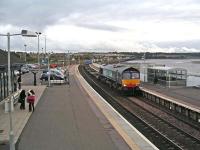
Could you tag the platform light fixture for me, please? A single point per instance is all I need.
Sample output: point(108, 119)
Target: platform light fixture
point(25, 52)
point(38, 35)
point(49, 71)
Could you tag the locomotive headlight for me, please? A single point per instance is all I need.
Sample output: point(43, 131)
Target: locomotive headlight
point(124, 85)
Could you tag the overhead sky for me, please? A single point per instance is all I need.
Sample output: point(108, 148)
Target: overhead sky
point(103, 25)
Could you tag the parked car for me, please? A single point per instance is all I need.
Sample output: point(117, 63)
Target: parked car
point(16, 72)
point(53, 65)
point(53, 76)
point(32, 66)
point(45, 71)
point(54, 70)
point(58, 72)
point(24, 69)
point(60, 69)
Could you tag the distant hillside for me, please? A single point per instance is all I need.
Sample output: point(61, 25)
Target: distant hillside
point(4, 57)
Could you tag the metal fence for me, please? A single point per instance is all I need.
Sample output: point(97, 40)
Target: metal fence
point(4, 81)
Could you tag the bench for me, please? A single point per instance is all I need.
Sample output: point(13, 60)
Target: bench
point(15, 97)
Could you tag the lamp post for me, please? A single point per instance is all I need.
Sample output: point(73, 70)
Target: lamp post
point(45, 42)
point(25, 52)
point(38, 35)
point(43, 56)
point(168, 77)
point(68, 60)
point(49, 73)
point(11, 134)
point(144, 57)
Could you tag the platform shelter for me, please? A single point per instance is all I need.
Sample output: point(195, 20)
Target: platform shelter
point(167, 76)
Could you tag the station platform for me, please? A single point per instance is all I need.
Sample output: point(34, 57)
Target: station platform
point(64, 119)
point(185, 95)
point(67, 117)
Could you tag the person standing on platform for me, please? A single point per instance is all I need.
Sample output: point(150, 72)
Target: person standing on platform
point(31, 100)
point(15, 82)
point(21, 100)
point(19, 80)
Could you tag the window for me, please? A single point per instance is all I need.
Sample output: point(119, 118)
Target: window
point(57, 73)
point(135, 75)
point(126, 75)
point(131, 75)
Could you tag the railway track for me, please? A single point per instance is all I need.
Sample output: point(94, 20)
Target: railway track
point(161, 133)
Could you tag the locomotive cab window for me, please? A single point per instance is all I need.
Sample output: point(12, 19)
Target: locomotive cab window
point(131, 75)
point(135, 75)
point(126, 75)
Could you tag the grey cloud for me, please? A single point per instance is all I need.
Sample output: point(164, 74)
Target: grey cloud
point(25, 13)
point(40, 13)
point(155, 11)
point(100, 26)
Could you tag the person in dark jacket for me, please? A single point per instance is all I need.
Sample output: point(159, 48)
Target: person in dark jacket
point(19, 80)
point(22, 97)
point(15, 82)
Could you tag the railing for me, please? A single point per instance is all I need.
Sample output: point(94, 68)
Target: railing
point(14, 96)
